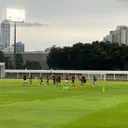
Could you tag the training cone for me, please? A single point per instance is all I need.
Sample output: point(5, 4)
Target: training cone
point(78, 87)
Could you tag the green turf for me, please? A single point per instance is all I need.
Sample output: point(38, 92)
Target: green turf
point(36, 106)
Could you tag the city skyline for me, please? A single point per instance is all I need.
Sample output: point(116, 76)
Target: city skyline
point(68, 22)
point(5, 32)
point(119, 35)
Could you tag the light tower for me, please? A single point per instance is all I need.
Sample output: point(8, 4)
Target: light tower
point(15, 16)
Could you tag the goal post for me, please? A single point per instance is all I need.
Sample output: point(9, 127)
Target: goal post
point(2, 70)
point(103, 77)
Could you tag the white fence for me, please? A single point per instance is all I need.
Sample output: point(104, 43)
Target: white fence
point(101, 75)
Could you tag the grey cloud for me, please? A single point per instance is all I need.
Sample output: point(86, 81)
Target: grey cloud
point(50, 10)
point(29, 24)
point(122, 0)
point(67, 18)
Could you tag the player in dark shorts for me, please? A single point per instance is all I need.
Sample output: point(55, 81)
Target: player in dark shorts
point(66, 79)
point(59, 80)
point(30, 79)
point(24, 79)
point(81, 80)
point(47, 80)
point(54, 80)
point(94, 81)
point(41, 79)
point(73, 81)
point(84, 80)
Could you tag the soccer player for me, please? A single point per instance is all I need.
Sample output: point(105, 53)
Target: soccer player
point(66, 79)
point(81, 80)
point(41, 80)
point(24, 79)
point(54, 80)
point(94, 81)
point(84, 80)
point(47, 80)
point(30, 79)
point(73, 80)
point(59, 80)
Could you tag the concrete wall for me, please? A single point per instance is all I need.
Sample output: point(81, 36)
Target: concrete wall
point(40, 57)
point(2, 70)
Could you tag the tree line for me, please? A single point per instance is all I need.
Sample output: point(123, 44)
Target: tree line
point(84, 56)
point(80, 56)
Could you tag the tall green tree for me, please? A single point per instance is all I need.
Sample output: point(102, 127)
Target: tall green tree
point(95, 56)
point(2, 58)
point(54, 57)
point(19, 61)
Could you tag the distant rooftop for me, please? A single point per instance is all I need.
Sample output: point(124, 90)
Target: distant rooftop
point(5, 21)
point(29, 52)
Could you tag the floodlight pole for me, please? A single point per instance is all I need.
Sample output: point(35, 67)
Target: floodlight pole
point(14, 45)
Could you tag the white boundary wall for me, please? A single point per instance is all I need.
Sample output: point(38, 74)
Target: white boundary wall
point(102, 75)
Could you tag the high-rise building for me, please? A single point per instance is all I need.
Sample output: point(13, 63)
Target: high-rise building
point(120, 35)
point(5, 32)
point(9, 49)
point(113, 36)
point(108, 38)
point(19, 47)
point(1, 42)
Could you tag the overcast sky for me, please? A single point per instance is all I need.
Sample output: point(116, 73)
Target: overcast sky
point(68, 21)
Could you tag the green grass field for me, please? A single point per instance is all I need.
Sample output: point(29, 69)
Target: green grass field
point(36, 106)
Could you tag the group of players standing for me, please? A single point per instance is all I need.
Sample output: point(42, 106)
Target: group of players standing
point(57, 80)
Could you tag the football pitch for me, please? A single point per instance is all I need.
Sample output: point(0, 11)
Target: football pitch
point(36, 106)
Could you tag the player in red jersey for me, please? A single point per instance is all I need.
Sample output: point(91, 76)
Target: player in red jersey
point(30, 79)
point(47, 80)
point(84, 80)
point(41, 79)
point(81, 80)
point(54, 80)
point(73, 80)
point(59, 80)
